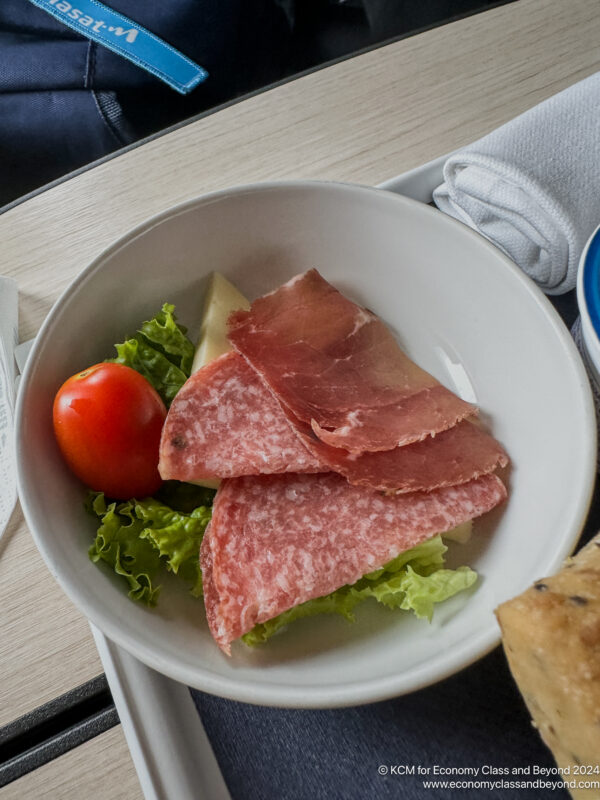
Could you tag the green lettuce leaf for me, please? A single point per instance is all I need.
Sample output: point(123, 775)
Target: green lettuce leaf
point(161, 352)
point(413, 581)
point(176, 537)
point(340, 602)
point(140, 538)
point(421, 593)
point(118, 543)
point(169, 337)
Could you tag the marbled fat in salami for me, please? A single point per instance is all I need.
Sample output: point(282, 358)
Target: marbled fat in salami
point(275, 541)
point(337, 367)
point(224, 422)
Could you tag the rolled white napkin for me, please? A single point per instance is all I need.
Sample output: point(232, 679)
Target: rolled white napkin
point(533, 185)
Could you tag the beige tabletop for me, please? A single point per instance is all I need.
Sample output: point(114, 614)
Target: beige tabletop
point(363, 120)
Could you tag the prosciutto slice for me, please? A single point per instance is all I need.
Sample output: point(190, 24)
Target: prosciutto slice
point(454, 456)
point(275, 541)
point(224, 422)
point(336, 367)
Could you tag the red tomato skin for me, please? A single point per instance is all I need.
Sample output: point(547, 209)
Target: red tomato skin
point(108, 421)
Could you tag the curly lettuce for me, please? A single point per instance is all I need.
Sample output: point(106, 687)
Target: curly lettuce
point(176, 537)
point(140, 538)
point(161, 352)
point(413, 581)
point(118, 543)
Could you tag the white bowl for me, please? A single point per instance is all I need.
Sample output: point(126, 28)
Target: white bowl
point(458, 306)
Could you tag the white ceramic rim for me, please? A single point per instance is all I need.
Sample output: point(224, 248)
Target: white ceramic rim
point(347, 694)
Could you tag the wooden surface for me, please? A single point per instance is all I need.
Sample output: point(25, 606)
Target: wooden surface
point(46, 647)
point(363, 120)
point(100, 768)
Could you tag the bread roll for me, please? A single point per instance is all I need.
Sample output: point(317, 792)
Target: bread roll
point(551, 637)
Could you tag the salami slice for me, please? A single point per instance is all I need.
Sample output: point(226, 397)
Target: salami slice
point(337, 367)
point(224, 422)
point(276, 541)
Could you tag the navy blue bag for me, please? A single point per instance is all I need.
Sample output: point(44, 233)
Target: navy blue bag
point(66, 101)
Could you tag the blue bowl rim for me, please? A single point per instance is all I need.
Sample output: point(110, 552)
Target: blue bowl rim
point(591, 281)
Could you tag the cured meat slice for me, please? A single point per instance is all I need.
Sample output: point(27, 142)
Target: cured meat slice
point(224, 422)
point(337, 367)
point(454, 456)
point(278, 540)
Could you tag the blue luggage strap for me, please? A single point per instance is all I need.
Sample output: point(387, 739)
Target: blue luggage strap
point(132, 41)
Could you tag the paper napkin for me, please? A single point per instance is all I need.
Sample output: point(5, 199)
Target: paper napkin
point(8, 340)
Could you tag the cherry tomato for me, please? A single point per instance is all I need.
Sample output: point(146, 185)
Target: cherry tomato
point(108, 420)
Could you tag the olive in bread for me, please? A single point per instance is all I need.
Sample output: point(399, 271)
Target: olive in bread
point(551, 637)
